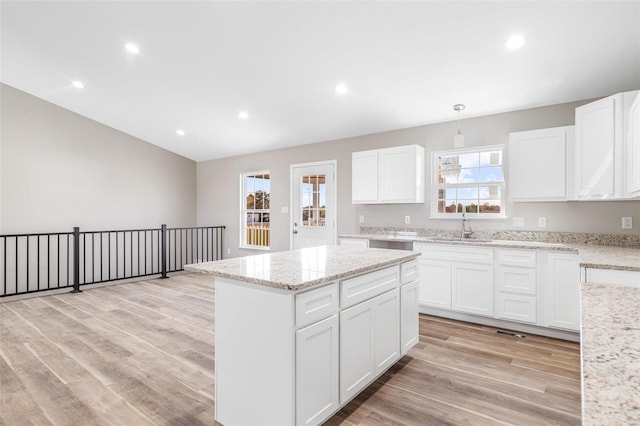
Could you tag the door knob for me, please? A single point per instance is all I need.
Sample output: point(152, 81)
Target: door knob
point(295, 231)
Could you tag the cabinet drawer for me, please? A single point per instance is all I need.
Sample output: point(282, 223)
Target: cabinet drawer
point(317, 304)
point(517, 280)
point(517, 307)
point(517, 258)
point(354, 242)
point(363, 287)
point(455, 252)
point(408, 272)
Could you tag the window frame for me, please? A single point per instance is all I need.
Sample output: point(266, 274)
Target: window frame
point(436, 186)
point(244, 211)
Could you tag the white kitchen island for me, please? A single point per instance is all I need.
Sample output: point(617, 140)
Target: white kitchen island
point(299, 334)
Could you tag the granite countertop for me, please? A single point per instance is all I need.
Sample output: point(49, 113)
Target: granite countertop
point(591, 255)
point(610, 346)
point(304, 268)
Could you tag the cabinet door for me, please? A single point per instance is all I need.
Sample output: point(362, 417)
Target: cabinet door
point(517, 307)
point(595, 150)
point(401, 174)
point(357, 365)
point(538, 164)
point(472, 288)
point(317, 371)
point(386, 330)
point(364, 177)
point(409, 320)
point(562, 291)
point(435, 283)
point(633, 151)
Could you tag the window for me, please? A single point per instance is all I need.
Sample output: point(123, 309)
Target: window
point(469, 181)
point(255, 213)
point(313, 204)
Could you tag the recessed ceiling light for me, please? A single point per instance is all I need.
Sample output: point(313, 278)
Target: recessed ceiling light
point(77, 84)
point(244, 115)
point(515, 42)
point(341, 89)
point(180, 132)
point(132, 48)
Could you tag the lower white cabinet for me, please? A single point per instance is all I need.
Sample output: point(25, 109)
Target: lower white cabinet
point(369, 342)
point(472, 288)
point(536, 287)
point(562, 291)
point(435, 283)
point(517, 307)
point(317, 372)
point(612, 276)
point(409, 317)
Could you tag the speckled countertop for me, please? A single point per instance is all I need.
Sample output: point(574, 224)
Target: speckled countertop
point(301, 269)
point(610, 346)
point(591, 255)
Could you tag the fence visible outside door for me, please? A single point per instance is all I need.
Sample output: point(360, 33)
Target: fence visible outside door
point(313, 204)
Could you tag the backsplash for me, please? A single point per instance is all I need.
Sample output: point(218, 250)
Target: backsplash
point(619, 240)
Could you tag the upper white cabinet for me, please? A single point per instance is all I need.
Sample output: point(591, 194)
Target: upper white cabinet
point(601, 129)
point(390, 175)
point(541, 164)
point(632, 155)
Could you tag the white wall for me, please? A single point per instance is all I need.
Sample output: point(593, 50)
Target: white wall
point(218, 188)
point(59, 170)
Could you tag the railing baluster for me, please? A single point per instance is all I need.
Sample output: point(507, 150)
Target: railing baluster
point(76, 260)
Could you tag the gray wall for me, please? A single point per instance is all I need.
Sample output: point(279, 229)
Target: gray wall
point(60, 169)
point(218, 182)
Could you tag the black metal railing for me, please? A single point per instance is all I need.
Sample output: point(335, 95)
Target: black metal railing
point(47, 261)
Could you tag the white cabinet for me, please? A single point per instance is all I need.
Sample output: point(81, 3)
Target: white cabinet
point(435, 283)
point(472, 288)
point(612, 276)
point(409, 314)
point(562, 291)
point(390, 175)
point(541, 165)
point(354, 242)
point(601, 128)
point(458, 278)
point(317, 373)
point(364, 177)
point(409, 317)
point(517, 285)
point(369, 342)
point(632, 154)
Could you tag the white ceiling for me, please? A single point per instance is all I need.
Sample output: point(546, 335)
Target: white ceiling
point(406, 64)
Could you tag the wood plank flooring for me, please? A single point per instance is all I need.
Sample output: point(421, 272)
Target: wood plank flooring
point(143, 354)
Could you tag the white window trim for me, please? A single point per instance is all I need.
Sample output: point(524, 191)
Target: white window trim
point(435, 186)
point(243, 218)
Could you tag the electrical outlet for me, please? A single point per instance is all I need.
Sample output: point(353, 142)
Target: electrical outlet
point(518, 222)
point(407, 219)
point(361, 219)
point(627, 222)
point(542, 222)
point(228, 251)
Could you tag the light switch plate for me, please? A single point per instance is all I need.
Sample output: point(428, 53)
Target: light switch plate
point(542, 222)
point(518, 222)
point(407, 219)
point(627, 222)
point(284, 209)
point(361, 219)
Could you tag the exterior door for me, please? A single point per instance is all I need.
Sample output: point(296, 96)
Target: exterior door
point(313, 215)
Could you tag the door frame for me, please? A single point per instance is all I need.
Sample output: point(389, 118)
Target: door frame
point(333, 163)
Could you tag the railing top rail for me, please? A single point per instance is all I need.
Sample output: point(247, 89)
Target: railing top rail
point(42, 234)
point(200, 227)
point(120, 230)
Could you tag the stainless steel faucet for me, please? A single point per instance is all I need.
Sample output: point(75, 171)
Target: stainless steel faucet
point(464, 232)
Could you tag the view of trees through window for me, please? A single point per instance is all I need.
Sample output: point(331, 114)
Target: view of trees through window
point(469, 182)
point(257, 192)
point(313, 200)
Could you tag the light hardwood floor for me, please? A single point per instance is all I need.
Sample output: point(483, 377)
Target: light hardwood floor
point(143, 353)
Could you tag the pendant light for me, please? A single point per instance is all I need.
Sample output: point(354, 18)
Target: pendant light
point(458, 139)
